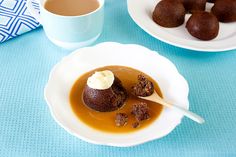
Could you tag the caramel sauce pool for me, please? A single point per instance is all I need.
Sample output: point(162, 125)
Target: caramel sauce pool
point(105, 121)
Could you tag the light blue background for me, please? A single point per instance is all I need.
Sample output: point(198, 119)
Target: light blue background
point(28, 130)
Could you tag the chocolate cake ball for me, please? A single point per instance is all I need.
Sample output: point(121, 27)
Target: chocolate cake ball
point(211, 1)
point(135, 124)
point(140, 111)
point(203, 25)
point(169, 13)
point(121, 119)
point(194, 5)
point(225, 10)
point(107, 99)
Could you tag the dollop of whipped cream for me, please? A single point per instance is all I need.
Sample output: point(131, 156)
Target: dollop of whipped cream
point(101, 80)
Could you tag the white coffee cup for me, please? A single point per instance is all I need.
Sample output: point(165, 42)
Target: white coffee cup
point(69, 32)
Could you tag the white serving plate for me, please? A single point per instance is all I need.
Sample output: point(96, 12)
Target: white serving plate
point(62, 77)
point(141, 12)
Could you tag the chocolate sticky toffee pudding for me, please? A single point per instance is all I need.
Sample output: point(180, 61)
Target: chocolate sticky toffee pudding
point(106, 99)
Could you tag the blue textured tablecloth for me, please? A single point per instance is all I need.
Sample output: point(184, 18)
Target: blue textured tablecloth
point(28, 130)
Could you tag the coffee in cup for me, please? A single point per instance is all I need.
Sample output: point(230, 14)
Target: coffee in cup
point(71, 7)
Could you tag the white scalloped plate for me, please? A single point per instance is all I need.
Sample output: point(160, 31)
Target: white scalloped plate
point(62, 77)
point(141, 12)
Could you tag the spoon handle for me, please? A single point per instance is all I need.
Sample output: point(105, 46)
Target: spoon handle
point(189, 114)
point(156, 98)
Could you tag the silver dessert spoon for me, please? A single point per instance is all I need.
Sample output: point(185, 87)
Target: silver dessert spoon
point(156, 98)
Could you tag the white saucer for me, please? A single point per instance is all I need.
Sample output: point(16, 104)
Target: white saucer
point(141, 13)
point(62, 77)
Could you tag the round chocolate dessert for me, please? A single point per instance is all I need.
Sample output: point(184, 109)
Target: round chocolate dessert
point(211, 1)
point(169, 13)
point(104, 98)
point(203, 25)
point(225, 10)
point(194, 5)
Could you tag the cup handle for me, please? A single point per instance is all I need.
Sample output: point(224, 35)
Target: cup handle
point(34, 9)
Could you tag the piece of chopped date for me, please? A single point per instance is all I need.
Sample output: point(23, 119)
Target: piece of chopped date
point(121, 119)
point(135, 125)
point(140, 111)
point(143, 88)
